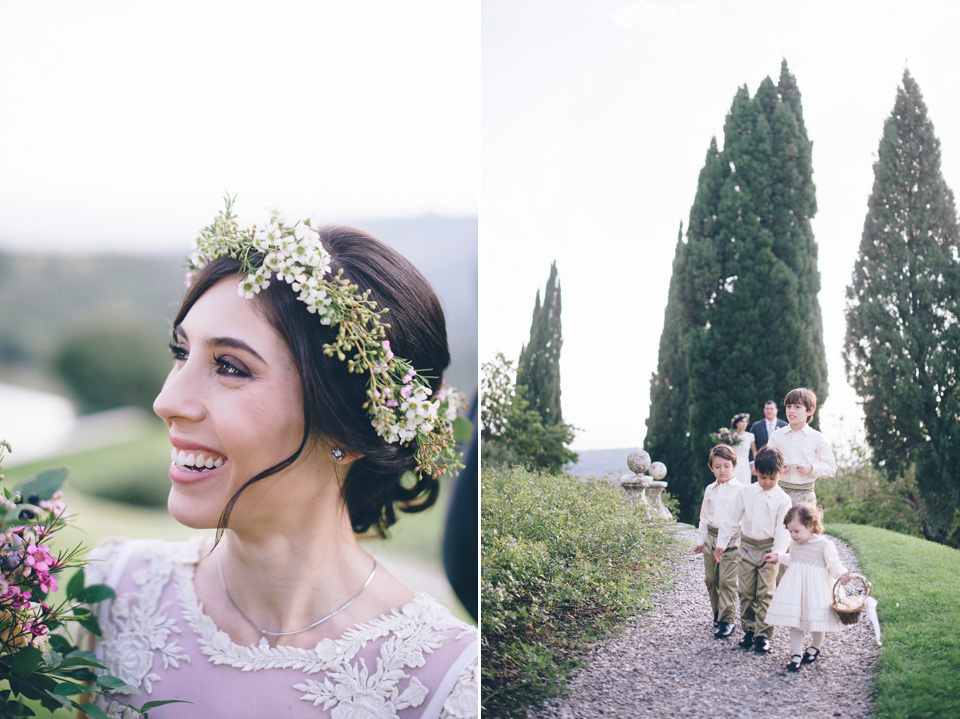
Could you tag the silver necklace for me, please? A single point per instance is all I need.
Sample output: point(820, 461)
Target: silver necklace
point(264, 643)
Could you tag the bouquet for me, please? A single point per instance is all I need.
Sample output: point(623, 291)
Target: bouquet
point(725, 435)
point(38, 659)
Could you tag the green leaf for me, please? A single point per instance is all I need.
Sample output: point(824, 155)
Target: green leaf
point(80, 662)
point(96, 593)
point(93, 711)
point(69, 688)
point(462, 429)
point(158, 703)
point(44, 484)
point(75, 585)
point(116, 684)
point(25, 661)
point(90, 623)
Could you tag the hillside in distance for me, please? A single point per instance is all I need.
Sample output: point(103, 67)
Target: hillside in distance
point(46, 297)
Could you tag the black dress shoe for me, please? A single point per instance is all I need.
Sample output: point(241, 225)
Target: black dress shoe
point(810, 656)
point(795, 661)
point(762, 645)
point(747, 641)
point(724, 630)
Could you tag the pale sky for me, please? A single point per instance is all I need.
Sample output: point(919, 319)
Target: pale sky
point(125, 123)
point(597, 117)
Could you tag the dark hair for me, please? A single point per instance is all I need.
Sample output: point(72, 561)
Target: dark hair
point(737, 418)
point(810, 517)
point(724, 451)
point(333, 398)
point(804, 396)
point(770, 401)
point(769, 461)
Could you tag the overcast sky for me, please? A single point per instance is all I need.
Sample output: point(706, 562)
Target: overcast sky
point(597, 117)
point(124, 123)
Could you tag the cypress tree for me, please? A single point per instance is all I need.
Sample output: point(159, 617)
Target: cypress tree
point(539, 367)
point(902, 342)
point(750, 326)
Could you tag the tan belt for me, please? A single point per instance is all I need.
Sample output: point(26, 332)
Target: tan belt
point(714, 531)
point(759, 545)
point(790, 486)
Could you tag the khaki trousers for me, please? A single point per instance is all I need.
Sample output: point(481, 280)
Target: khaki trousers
point(721, 579)
point(757, 580)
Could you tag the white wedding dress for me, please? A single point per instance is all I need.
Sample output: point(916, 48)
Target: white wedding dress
point(742, 471)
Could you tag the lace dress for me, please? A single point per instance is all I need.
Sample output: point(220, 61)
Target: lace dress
point(742, 470)
point(419, 661)
point(804, 596)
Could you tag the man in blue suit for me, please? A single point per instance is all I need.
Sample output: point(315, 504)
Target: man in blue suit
point(763, 428)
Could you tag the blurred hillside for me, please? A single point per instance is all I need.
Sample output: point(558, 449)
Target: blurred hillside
point(46, 300)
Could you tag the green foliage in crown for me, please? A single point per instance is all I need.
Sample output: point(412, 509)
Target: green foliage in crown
point(402, 406)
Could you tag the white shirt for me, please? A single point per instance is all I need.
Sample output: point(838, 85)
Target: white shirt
point(717, 499)
point(759, 514)
point(804, 446)
point(771, 428)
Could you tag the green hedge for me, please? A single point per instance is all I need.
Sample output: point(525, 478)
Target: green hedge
point(563, 562)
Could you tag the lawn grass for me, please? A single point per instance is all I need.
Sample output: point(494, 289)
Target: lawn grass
point(917, 586)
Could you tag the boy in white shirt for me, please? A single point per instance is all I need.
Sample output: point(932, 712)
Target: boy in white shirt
point(720, 575)
point(757, 512)
point(807, 455)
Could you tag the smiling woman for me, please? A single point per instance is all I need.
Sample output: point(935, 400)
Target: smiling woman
point(294, 412)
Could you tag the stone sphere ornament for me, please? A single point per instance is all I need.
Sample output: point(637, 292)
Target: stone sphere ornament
point(658, 470)
point(638, 461)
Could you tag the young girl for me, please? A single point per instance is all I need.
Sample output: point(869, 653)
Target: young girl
point(804, 595)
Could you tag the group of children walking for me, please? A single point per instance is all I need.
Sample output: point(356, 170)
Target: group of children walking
point(764, 541)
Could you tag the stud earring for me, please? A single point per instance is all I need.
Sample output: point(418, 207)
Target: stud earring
point(338, 454)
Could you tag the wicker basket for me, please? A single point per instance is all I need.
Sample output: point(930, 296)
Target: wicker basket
point(849, 611)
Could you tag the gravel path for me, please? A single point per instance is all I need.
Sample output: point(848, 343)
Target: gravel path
point(666, 663)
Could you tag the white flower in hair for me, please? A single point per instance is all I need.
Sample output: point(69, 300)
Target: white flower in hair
point(400, 401)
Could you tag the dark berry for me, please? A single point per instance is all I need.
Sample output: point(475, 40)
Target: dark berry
point(27, 514)
point(34, 498)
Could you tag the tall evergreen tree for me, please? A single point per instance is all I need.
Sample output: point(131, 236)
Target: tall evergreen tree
point(902, 348)
point(750, 326)
point(539, 367)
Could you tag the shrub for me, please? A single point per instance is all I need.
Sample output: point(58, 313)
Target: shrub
point(563, 561)
point(861, 494)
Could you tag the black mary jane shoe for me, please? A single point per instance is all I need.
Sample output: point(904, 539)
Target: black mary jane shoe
point(724, 631)
point(795, 661)
point(810, 656)
point(747, 641)
point(762, 645)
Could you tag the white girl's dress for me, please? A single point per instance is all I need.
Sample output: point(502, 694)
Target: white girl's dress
point(417, 662)
point(742, 470)
point(804, 596)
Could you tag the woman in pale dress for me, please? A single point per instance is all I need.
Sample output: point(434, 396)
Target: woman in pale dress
point(803, 600)
point(739, 426)
point(293, 450)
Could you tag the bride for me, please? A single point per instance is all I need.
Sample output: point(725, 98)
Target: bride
point(295, 406)
point(739, 426)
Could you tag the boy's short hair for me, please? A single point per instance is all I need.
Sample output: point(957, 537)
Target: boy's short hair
point(769, 461)
point(804, 396)
point(724, 451)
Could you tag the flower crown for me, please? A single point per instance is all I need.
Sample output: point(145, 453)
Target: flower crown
point(400, 401)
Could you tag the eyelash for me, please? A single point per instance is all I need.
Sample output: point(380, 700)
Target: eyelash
point(224, 367)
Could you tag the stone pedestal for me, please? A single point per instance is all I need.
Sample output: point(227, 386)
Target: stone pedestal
point(642, 488)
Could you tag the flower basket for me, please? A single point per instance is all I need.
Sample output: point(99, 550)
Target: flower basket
point(848, 608)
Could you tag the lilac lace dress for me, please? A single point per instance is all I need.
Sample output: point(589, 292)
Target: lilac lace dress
point(419, 661)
